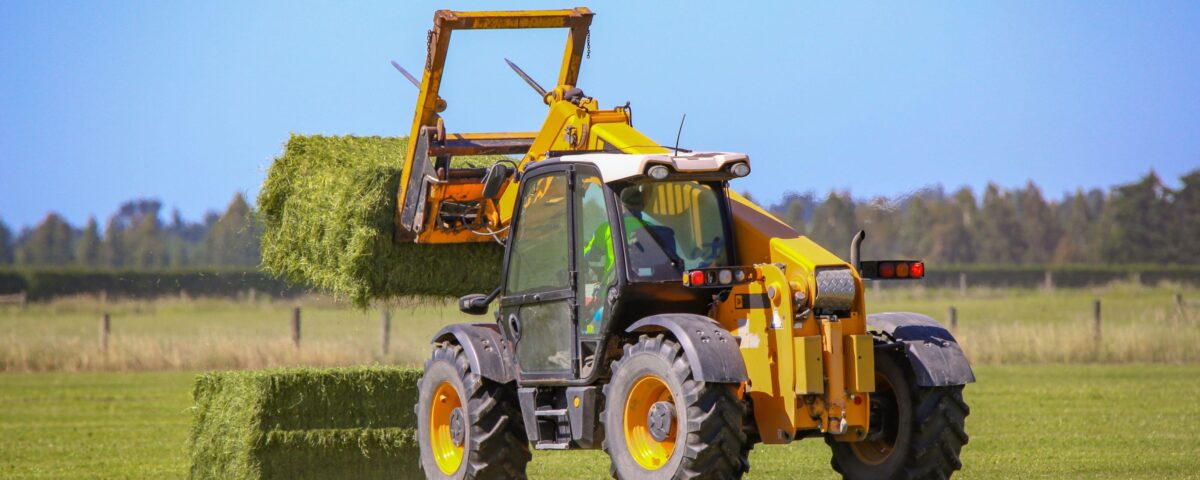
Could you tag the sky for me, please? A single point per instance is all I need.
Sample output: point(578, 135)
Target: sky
point(189, 102)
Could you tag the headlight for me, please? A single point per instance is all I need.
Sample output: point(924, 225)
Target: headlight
point(740, 169)
point(658, 172)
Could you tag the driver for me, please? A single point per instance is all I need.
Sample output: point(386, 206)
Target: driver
point(601, 243)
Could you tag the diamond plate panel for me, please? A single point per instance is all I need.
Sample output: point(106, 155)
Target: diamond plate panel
point(835, 289)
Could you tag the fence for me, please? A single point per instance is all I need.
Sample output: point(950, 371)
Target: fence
point(962, 277)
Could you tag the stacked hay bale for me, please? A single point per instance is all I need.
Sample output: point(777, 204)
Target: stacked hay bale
point(327, 207)
point(305, 423)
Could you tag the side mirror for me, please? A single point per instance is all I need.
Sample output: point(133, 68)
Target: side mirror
point(477, 303)
point(474, 304)
point(494, 179)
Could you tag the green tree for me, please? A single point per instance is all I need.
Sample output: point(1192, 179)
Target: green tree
point(1078, 224)
point(795, 210)
point(1135, 223)
point(880, 218)
point(950, 241)
point(1186, 214)
point(87, 249)
point(49, 244)
point(234, 239)
point(915, 231)
point(6, 244)
point(1039, 226)
point(833, 224)
point(112, 249)
point(998, 238)
point(147, 249)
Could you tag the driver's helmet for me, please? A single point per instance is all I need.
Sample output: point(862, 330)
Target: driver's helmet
point(632, 198)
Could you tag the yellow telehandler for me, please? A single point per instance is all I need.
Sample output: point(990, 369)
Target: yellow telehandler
point(648, 310)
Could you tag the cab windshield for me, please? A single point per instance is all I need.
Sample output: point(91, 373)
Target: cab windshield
point(671, 227)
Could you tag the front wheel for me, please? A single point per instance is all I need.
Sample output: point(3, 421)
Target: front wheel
point(916, 432)
point(467, 426)
point(660, 423)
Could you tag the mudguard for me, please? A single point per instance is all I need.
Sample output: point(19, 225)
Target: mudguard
point(713, 354)
point(486, 350)
point(936, 358)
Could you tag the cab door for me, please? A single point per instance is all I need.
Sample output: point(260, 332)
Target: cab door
point(537, 309)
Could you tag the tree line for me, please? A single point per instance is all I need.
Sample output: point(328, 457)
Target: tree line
point(1143, 222)
point(1139, 222)
point(136, 236)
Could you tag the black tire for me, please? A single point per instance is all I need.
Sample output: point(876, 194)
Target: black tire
point(916, 432)
point(709, 442)
point(495, 445)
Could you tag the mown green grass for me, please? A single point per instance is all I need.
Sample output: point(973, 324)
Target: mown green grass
point(1037, 421)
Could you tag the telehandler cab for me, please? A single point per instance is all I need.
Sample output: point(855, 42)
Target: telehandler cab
point(647, 309)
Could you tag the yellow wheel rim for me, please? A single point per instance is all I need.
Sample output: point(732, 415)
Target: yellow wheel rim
point(648, 452)
point(877, 451)
point(448, 455)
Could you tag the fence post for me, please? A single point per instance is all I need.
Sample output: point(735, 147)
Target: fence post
point(953, 320)
point(1048, 281)
point(24, 299)
point(105, 328)
point(385, 330)
point(296, 327)
point(1179, 307)
point(253, 295)
point(962, 284)
point(1096, 320)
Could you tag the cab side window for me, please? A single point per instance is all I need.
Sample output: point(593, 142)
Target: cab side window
point(539, 260)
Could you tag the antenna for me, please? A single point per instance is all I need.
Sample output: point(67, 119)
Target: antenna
point(407, 75)
point(537, 88)
point(679, 133)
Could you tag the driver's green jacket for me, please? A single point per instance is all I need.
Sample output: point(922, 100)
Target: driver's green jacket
point(603, 235)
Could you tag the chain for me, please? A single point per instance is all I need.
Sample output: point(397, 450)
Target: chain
point(588, 42)
point(428, 51)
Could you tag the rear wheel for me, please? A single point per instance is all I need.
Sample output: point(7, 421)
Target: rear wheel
point(662, 424)
point(916, 432)
point(467, 426)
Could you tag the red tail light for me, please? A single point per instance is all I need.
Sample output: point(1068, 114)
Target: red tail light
point(887, 270)
point(697, 278)
point(918, 269)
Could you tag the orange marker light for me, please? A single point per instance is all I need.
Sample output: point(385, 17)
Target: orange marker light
point(902, 269)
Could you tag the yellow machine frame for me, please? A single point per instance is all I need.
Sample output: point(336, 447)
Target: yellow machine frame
point(807, 373)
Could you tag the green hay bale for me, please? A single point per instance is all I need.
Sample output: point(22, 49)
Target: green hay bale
point(327, 207)
point(305, 423)
point(347, 453)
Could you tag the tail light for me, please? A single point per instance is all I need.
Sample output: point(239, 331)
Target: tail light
point(717, 277)
point(892, 270)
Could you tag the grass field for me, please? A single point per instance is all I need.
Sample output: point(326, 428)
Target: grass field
point(1058, 421)
point(996, 326)
point(1051, 401)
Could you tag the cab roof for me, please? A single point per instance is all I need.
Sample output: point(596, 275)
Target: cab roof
point(620, 166)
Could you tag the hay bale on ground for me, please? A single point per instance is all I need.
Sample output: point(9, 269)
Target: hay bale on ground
point(327, 207)
point(305, 423)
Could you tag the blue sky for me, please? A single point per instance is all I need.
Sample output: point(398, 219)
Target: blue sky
point(188, 102)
